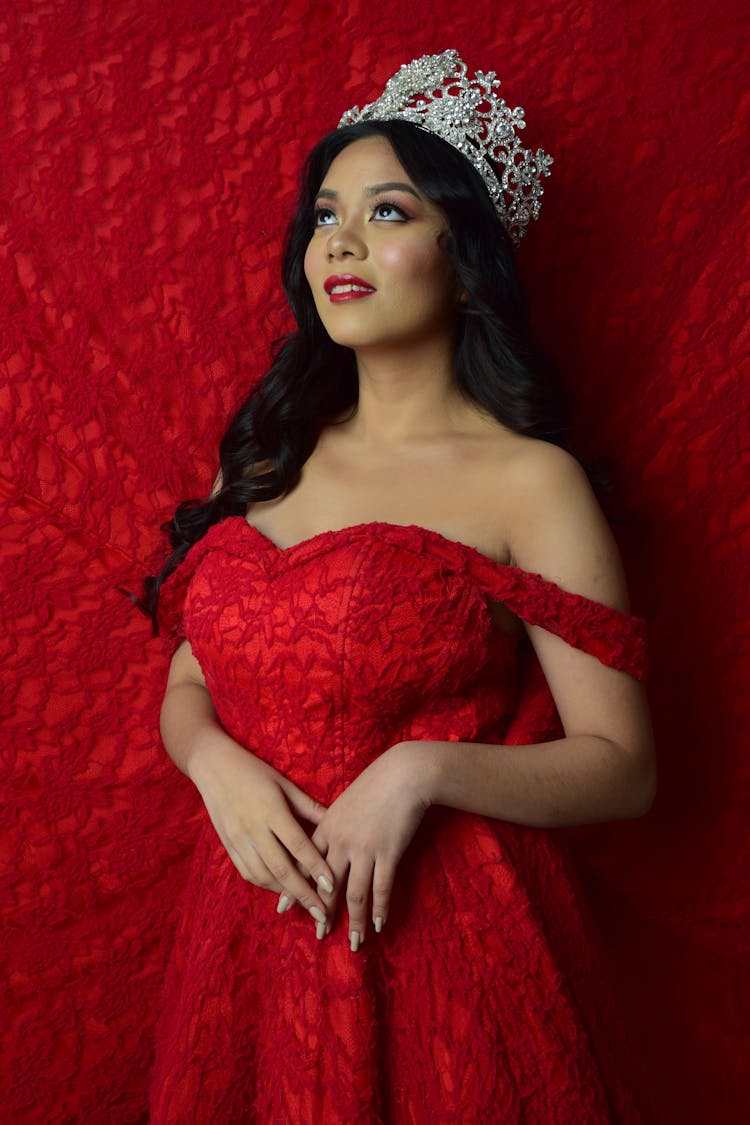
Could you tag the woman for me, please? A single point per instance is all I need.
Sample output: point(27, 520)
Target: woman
point(396, 545)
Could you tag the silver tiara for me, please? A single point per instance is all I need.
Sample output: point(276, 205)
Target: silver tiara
point(435, 93)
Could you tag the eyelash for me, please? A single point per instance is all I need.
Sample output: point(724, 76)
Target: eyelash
point(393, 206)
point(403, 217)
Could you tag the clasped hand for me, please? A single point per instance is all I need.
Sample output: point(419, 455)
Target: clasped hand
point(354, 849)
point(365, 832)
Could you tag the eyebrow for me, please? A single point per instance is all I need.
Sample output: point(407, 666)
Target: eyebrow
point(376, 189)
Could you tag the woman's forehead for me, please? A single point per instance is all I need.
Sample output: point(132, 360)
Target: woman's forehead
point(369, 160)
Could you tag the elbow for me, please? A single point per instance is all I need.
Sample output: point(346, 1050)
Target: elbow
point(643, 784)
point(632, 778)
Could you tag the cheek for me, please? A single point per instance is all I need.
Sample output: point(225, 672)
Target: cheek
point(427, 273)
point(404, 263)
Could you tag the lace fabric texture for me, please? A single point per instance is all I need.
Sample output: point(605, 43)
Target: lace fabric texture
point(148, 160)
point(319, 658)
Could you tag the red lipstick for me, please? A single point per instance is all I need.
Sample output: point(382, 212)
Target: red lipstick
point(347, 287)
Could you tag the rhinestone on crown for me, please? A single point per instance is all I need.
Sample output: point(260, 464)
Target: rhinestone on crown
point(435, 93)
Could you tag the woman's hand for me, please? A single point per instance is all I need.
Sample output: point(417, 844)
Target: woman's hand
point(366, 831)
point(254, 810)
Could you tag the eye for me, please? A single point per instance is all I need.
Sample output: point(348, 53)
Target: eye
point(323, 217)
point(389, 213)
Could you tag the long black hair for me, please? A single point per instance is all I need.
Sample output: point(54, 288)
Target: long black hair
point(312, 380)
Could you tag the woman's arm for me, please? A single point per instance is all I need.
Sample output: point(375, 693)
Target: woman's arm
point(604, 767)
point(253, 808)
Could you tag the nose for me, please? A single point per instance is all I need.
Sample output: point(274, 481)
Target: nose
point(344, 242)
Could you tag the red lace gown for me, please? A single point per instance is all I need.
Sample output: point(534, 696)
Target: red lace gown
point(481, 1000)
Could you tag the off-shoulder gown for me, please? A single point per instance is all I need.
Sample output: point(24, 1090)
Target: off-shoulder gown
point(481, 1000)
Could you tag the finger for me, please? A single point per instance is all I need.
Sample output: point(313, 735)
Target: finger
point(311, 863)
point(382, 888)
point(288, 879)
point(250, 866)
point(358, 888)
point(253, 870)
point(339, 865)
point(301, 803)
point(324, 883)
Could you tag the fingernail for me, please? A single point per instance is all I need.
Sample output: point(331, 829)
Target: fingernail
point(320, 930)
point(378, 924)
point(283, 904)
point(325, 884)
point(354, 940)
point(318, 915)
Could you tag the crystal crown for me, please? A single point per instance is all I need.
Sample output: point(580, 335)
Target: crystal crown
point(435, 93)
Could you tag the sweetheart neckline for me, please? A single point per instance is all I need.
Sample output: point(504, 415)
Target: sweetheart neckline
point(385, 525)
point(510, 585)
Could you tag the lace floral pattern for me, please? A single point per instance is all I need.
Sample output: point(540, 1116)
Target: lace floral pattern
point(320, 657)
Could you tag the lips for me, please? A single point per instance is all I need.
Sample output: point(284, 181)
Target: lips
point(347, 287)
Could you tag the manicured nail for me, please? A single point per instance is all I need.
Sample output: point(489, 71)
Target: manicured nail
point(320, 930)
point(354, 940)
point(283, 904)
point(325, 884)
point(318, 915)
point(378, 924)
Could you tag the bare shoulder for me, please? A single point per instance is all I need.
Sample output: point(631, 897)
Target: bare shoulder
point(549, 479)
point(554, 524)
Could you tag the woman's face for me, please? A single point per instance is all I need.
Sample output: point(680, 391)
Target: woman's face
point(378, 274)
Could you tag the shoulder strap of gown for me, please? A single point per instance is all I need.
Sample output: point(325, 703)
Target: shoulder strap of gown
point(617, 639)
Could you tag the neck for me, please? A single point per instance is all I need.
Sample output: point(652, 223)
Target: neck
point(405, 394)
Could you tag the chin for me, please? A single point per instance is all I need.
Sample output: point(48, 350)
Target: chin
point(351, 338)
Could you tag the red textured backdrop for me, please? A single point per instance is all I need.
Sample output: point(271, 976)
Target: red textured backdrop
point(148, 153)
